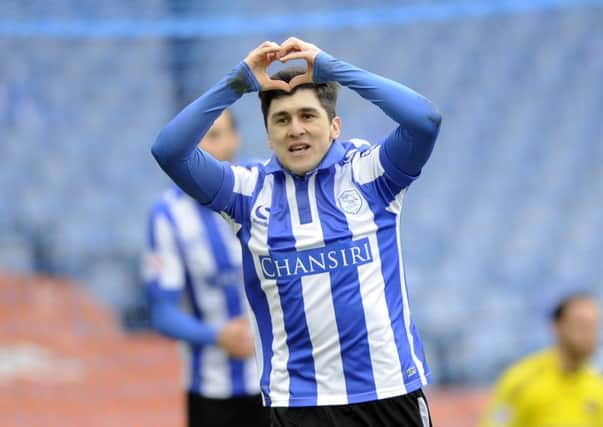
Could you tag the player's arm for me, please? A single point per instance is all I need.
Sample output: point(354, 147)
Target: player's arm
point(410, 145)
point(194, 170)
point(164, 272)
point(164, 275)
point(168, 319)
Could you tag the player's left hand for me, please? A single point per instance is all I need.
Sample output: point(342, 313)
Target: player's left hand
point(258, 61)
point(294, 48)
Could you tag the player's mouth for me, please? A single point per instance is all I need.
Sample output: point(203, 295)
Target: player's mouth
point(299, 148)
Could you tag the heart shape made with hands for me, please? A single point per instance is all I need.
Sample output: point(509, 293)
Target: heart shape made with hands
point(263, 56)
point(296, 52)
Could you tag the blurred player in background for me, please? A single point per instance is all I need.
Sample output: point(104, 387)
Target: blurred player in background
point(319, 225)
point(556, 387)
point(194, 257)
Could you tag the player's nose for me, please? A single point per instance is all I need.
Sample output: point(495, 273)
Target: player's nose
point(296, 128)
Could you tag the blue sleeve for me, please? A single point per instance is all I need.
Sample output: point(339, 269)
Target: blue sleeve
point(195, 171)
point(408, 147)
point(168, 319)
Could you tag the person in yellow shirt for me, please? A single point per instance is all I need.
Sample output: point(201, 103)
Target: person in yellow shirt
point(556, 387)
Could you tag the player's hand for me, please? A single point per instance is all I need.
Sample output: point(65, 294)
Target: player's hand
point(258, 61)
point(235, 338)
point(294, 48)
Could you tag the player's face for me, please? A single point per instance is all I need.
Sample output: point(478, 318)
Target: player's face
point(221, 140)
point(577, 330)
point(299, 130)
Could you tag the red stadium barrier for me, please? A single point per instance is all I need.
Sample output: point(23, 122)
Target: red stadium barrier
point(64, 361)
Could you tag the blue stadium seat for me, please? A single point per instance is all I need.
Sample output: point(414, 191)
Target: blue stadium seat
point(509, 202)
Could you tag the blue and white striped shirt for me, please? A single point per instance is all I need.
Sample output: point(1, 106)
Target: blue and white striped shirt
point(322, 256)
point(193, 253)
point(325, 280)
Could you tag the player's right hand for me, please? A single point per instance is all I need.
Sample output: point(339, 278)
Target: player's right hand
point(258, 61)
point(236, 339)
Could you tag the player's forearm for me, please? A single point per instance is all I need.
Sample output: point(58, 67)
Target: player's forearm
point(175, 149)
point(409, 146)
point(169, 320)
point(412, 111)
point(179, 138)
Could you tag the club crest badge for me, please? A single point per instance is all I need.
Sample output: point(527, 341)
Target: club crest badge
point(350, 201)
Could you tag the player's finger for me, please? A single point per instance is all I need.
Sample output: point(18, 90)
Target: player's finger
point(290, 44)
point(300, 79)
point(267, 49)
point(268, 43)
point(276, 84)
point(292, 41)
point(269, 53)
point(295, 55)
point(284, 52)
point(257, 55)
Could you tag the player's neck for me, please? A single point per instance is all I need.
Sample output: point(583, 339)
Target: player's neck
point(569, 363)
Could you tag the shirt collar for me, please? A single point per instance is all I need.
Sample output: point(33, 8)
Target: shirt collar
point(334, 155)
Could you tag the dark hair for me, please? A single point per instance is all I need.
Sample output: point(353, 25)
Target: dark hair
point(561, 306)
point(326, 92)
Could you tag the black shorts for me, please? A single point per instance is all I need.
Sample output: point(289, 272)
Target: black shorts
point(410, 410)
point(233, 412)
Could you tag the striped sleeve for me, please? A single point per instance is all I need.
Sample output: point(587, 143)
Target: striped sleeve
point(162, 264)
point(372, 171)
point(234, 200)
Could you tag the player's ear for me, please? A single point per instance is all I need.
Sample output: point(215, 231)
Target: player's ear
point(335, 129)
point(269, 143)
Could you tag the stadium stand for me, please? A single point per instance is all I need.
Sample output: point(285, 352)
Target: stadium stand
point(506, 214)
